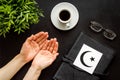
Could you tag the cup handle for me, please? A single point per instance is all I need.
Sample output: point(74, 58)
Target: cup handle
point(68, 25)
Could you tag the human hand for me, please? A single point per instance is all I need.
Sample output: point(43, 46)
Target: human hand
point(31, 46)
point(47, 55)
point(40, 38)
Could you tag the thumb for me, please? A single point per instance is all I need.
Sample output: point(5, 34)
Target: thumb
point(55, 56)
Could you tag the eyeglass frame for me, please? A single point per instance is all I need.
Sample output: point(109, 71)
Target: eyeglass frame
point(101, 28)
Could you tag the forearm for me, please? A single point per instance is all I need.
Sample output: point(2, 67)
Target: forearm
point(32, 74)
point(10, 69)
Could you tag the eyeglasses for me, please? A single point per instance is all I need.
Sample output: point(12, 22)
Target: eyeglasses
point(97, 27)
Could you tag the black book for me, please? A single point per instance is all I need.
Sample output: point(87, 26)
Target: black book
point(87, 60)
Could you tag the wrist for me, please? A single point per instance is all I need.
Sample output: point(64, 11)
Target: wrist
point(33, 73)
point(36, 67)
point(21, 58)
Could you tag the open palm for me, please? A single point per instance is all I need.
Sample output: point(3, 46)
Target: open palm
point(31, 46)
point(47, 55)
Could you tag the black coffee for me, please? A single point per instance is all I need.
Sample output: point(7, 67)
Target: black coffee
point(64, 15)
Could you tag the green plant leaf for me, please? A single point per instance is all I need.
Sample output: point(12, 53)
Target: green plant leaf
point(18, 15)
point(22, 21)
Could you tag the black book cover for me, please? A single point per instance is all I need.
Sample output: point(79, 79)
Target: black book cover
point(86, 60)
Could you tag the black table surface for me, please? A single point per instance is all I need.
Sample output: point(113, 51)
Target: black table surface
point(107, 12)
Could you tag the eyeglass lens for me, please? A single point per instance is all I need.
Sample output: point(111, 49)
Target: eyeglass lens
point(96, 26)
point(109, 34)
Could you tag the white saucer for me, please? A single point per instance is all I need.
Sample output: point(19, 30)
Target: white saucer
point(74, 15)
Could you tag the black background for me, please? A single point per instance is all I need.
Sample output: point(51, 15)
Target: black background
point(107, 12)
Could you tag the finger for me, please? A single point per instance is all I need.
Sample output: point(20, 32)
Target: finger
point(55, 56)
point(55, 49)
point(44, 35)
point(52, 45)
point(45, 45)
point(40, 46)
point(49, 44)
point(43, 39)
point(38, 35)
point(30, 38)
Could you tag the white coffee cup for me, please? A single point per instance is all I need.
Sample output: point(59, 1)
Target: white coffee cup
point(64, 17)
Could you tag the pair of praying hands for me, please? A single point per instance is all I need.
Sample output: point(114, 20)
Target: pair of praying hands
point(39, 49)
